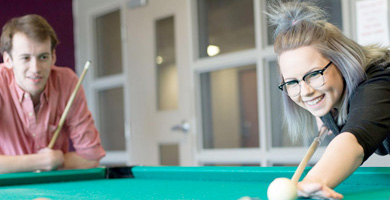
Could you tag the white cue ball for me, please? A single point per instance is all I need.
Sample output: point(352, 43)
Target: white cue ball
point(245, 198)
point(282, 189)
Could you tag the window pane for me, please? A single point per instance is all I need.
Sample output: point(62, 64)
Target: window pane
point(167, 80)
point(331, 7)
point(111, 114)
point(108, 44)
point(225, 26)
point(229, 108)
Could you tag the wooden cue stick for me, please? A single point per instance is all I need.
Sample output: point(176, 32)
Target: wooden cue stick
point(68, 105)
point(309, 154)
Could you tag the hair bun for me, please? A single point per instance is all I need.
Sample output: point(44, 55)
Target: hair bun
point(286, 15)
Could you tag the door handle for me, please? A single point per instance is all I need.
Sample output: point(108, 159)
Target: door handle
point(184, 127)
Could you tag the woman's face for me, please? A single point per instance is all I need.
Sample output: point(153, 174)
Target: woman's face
point(296, 63)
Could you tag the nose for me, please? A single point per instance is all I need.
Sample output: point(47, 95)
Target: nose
point(34, 66)
point(306, 89)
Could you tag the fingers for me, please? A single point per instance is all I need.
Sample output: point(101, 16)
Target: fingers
point(317, 191)
point(329, 193)
point(45, 150)
point(306, 190)
point(310, 187)
point(52, 159)
point(326, 195)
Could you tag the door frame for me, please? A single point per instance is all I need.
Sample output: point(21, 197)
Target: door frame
point(85, 12)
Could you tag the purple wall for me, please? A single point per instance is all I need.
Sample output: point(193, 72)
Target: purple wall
point(57, 12)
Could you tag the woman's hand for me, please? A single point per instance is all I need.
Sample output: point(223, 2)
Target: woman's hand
point(317, 191)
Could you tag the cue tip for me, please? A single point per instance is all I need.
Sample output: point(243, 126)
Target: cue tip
point(87, 64)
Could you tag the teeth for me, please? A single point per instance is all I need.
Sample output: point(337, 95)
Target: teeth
point(314, 101)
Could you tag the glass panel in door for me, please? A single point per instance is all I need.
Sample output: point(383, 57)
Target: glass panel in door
point(109, 46)
point(166, 70)
point(111, 115)
point(229, 108)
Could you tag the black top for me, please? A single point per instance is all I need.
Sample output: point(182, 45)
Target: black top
point(368, 112)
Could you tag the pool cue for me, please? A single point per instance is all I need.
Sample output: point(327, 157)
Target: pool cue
point(313, 147)
point(68, 105)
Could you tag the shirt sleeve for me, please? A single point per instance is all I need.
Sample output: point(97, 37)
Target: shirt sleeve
point(1, 100)
point(369, 118)
point(83, 133)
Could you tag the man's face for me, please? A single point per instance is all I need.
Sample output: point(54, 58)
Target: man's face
point(31, 62)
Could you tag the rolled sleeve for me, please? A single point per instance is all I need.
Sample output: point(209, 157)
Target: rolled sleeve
point(82, 130)
point(92, 153)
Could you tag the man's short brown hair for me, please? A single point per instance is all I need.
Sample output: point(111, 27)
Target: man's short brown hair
point(34, 26)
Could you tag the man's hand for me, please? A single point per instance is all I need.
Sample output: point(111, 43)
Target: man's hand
point(53, 159)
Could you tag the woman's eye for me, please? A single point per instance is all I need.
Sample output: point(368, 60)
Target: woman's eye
point(291, 83)
point(315, 74)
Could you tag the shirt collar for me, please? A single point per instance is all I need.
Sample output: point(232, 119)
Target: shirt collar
point(23, 94)
point(19, 91)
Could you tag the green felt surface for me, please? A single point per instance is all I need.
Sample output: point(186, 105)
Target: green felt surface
point(190, 183)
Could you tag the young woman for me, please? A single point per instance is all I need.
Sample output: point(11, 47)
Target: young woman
point(329, 77)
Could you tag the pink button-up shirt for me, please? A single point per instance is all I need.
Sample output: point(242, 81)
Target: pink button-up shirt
point(24, 131)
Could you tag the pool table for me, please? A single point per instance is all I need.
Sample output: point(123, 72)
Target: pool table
point(143, 182)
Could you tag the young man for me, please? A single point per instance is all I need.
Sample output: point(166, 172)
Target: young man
point(33, 96)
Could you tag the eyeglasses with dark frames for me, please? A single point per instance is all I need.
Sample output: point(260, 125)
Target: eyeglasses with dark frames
point(315, 79)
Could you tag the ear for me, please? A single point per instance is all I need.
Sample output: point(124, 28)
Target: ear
point(7, 60)
point(54, 57)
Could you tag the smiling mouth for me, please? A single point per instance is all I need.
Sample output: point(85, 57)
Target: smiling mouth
point(35, 79)
point(315, 101)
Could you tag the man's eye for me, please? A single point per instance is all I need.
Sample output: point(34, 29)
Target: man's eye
point(44, 57)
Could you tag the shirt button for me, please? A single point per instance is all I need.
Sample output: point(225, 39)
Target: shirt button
point(33, 134)
point(26, 96)
point(30, 114)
